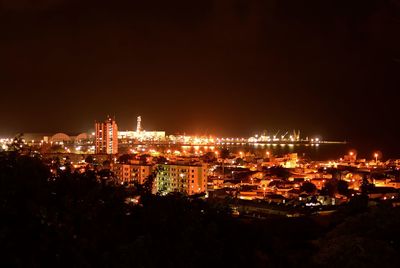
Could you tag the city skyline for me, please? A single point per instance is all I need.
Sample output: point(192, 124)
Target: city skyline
point(223, 67)
point(260, 137)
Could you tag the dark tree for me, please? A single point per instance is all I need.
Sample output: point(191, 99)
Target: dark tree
point(366, 186)
point(89, 159)
point(335, 186)
point(280, 172)
point(143, 158)
point(336, 174)
point(343, 187)
point(161, 160)
point(308, 187)
point(225, 153)
point(107, 164)
point(125, 158)
point(330, 188)
point(17, 144)
point(209, 157)
point(239, 161)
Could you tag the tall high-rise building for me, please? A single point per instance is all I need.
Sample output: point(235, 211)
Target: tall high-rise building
point(106, 137)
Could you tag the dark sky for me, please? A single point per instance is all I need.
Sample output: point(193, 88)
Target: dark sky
point(227, 67)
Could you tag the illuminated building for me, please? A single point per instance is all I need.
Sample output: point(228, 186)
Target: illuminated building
point(290, 160)
point(350, 157)
point(57, 138)
point(139, 124)
point(140, 134)
point(106, 137)
point(183, 178)
point(130, 173)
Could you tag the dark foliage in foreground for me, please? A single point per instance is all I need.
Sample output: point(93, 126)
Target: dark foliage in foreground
point(76, 221)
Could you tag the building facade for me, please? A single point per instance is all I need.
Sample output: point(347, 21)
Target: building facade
point(106, 137)
point(131, 173)
point(184, 178)
point(140, 134)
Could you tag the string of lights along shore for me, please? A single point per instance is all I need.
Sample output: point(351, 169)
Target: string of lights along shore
point(108, 138)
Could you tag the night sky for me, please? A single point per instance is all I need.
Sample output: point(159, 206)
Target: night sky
point(225, 67)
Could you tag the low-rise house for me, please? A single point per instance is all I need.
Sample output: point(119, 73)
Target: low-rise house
point(276, 198)
point(383, 193)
